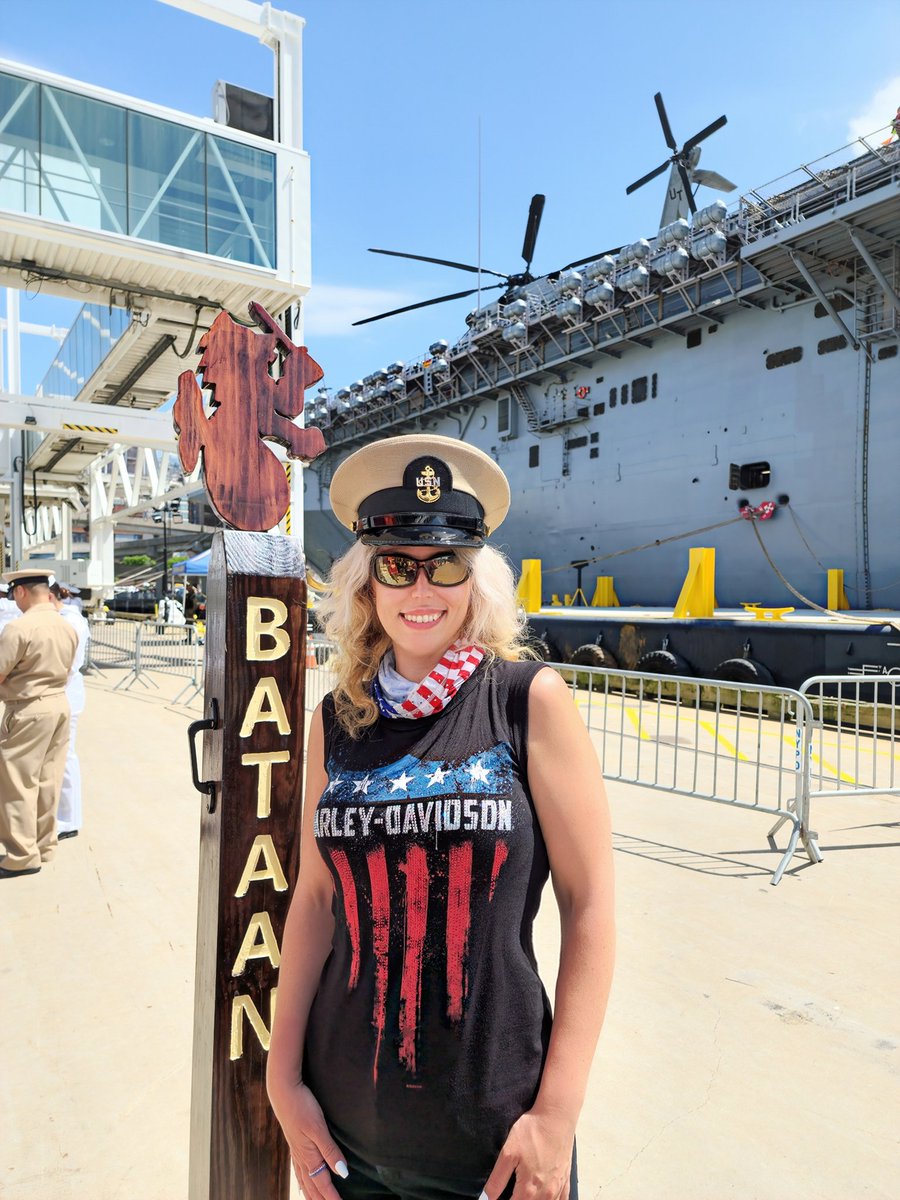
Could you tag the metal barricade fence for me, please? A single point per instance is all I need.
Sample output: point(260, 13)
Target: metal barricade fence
point(319, 676)
point(855, 747)
point(743, 745)
point(143, 647)
point(171, 650)
point(111, 644)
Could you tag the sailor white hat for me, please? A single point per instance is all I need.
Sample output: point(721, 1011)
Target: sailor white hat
point(29, 575)
point(420, 489)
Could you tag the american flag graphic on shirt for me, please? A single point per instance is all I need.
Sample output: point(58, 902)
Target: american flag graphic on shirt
point(416, 850)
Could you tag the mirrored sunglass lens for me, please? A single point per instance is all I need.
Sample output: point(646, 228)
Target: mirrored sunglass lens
point(448, 571)
point(395, 570)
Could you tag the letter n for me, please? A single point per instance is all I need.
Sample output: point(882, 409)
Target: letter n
point(244, 1004)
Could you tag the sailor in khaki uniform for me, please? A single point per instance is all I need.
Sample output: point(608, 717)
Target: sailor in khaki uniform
point(36, 654)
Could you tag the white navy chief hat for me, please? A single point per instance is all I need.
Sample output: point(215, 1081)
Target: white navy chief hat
point(420, 490)
point(28, 576)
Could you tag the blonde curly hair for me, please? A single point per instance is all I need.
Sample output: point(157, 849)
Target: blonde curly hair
point(347, 617)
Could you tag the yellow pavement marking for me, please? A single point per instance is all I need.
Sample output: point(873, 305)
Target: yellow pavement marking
point(729, 746)
point(823, 762)
point(635, 720)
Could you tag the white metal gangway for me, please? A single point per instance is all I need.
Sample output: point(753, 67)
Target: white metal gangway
point(160, 233)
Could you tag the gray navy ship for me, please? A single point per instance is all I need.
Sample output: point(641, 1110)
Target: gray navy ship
point(732, 382)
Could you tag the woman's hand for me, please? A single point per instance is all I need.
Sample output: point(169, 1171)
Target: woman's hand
point(539, 1150)
point(310, 1143)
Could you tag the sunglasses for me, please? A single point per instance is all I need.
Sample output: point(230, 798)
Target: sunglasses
point(401, 570)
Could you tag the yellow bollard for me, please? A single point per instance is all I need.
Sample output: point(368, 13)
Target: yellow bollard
point(605, 593)
point(698, 595)
point(529, 589)
point(837, 597)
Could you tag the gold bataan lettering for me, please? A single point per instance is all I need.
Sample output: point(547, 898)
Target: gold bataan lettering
point(244, 1004)
point(263, 847)
point(266, 690)
point(260, 924)
point(259, 627)
point(264, 760)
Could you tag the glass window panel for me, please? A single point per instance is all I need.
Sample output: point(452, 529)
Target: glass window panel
point(92, 335)
point(166, 182)
point(83, 161)
point(233, 167)
point(19, 140)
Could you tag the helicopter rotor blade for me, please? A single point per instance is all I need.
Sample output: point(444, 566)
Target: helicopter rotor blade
point(646, 178)
point(688, 186)
point(441, 262)
point(712, 179)
point(535, 212)
point(664, 121)
point(703, 134)
point(425, 303)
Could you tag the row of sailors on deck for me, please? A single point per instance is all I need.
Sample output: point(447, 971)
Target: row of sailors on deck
point(43, 639)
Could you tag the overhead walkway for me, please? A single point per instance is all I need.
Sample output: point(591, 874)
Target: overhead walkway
point(158, 221)
point(130, 200)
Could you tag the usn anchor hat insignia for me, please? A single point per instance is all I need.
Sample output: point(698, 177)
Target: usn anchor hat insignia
point(428, 491)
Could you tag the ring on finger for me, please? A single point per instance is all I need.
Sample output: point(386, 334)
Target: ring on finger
point(318, 1170)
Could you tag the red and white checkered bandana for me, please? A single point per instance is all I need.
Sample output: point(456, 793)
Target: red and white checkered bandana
point(437, 689)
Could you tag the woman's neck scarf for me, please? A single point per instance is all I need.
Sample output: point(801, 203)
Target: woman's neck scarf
point(398, 697)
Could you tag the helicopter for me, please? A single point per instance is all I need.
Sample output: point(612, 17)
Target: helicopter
point(685, 172)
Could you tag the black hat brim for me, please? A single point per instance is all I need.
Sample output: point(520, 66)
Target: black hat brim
point(423, 535)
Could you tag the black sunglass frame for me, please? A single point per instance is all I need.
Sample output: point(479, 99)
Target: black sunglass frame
point(428, 565)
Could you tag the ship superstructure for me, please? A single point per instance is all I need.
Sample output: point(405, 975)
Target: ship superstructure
point(739, 364)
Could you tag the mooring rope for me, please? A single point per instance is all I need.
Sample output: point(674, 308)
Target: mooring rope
point(842, 616)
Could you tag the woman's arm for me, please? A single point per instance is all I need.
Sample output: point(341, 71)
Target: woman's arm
point(307, 943)
point(567, 788)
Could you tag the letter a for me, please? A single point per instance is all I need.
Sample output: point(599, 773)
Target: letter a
point(266, 689)
point(265, 847)
point(260, 923)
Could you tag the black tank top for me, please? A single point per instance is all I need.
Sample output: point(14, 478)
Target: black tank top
point(428, 1033)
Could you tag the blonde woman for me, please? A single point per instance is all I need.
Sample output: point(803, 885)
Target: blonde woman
point(414, 1054)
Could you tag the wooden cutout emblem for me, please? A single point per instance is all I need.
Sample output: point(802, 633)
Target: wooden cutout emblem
point(244, 479)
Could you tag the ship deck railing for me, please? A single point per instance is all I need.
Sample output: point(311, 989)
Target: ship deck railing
point(864, 165)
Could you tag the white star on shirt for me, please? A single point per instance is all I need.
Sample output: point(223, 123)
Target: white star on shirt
point(478, 772)
point(332, 785)
point(401, 782)
point(438, 777)
point(362, 785)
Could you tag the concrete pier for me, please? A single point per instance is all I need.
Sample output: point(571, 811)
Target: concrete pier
point(752, 1047)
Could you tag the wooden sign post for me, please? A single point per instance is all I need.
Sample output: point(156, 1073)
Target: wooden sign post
point(249, 850)
point(253, 755)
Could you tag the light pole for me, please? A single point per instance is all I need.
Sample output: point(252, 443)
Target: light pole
point(161, 514)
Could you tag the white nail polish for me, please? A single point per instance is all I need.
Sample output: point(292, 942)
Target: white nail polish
point(342, 1169)
point(484, 1196)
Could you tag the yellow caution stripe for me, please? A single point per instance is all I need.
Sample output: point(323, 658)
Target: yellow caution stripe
point(91, 428)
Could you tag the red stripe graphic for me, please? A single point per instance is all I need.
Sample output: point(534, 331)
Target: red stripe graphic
point(381, 929)
point(459, 885)
point(351, 911)
point(416, 870)
point(500, 852)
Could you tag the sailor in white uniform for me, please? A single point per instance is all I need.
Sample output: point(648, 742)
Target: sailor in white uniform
point(69, 813)
point(9, 610)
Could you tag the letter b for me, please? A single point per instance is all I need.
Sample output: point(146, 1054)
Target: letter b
point(259, 627)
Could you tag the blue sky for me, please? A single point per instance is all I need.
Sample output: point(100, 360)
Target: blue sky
point(393, 95)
